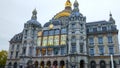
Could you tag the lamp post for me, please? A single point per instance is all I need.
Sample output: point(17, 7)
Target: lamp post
point(112, 60)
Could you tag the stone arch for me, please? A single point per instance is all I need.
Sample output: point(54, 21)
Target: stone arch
point(82, 64)
point(55, 63)
point(102, 64)
point(36, 64)
point(29, 64)
point(15, 65)
point(9, 65)
point(42, 64)
point(92, 64)
point(113, 63)
point(48, 64)
point(62, 64)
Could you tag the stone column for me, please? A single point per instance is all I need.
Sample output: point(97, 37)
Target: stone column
point(77, 46)
point(69, 44)
point(46, 51)
point(27, 50)
point(52, 52)
point(60, 51)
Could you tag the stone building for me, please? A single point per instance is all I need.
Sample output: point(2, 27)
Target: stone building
point(66, 41)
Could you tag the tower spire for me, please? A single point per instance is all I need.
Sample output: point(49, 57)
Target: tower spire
point(76, 5)
point(111, 18)
point(34, 14)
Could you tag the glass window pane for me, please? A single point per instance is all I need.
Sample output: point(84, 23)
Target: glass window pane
point(100, 40)
point(51, 32)
point(110, 39)
point(57, 31)
point(64, 31)
point(91, 41)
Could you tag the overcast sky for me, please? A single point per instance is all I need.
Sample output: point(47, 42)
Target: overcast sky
point(14, 13)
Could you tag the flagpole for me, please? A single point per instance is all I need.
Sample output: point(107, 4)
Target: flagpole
point(112, 61)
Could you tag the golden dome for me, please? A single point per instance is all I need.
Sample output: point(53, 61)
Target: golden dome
point(66, 12)
point(62, 14)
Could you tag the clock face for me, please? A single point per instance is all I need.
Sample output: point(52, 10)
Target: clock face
point(40, 33)
point(51, 26)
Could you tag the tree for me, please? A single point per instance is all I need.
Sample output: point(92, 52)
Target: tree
point(3, 58)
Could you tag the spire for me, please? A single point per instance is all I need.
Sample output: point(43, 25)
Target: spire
point(76, 6)
point(111, 18)
point(34, 14)
point(68, 4)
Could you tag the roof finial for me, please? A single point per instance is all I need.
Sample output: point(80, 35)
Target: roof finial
point(110, 14)
point(34, 14)
point(111, 18)
point(68, 4)
point(76, 6)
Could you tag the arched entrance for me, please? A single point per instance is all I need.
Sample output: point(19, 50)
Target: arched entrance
point(62, 64)
point(48, 64)
point(9, 65)
point(42, 64)
point(92, 64)
point(36, 64)
point(82, 64)
point(55, 63)
point(15, 65)
point(29, 64)
point(102, 64)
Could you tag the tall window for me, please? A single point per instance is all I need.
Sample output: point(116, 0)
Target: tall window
point(51, 32)
point(81, 48)
point(24, 51)
point(62, 51)
point(11, 54)
point(64, 31)
point(73, 39)
point(73, 48)
point(104, 29)
point(91, 51)
point(17, 47)
point(101, 50)
point(26, 31)
point(100, 40)
point(16, 55)
point(91, 41)
point(73, 25)
point(111, 50)
point(110, 39)
point(12, 47)
point(45, 33)
point(94, 29)
point(57, 31)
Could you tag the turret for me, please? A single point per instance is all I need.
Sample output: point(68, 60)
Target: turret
point(111, 19)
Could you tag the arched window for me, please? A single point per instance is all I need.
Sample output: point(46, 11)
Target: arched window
point(102, 64)
point(62, 64)
point(82, 64)
point(93, 64)
point(9, 65)
point(15, 65)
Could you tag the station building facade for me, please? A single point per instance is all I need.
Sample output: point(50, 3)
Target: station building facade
point(66, 41)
